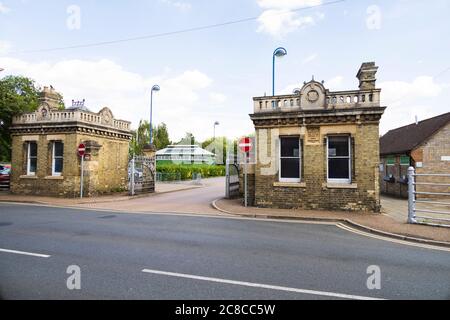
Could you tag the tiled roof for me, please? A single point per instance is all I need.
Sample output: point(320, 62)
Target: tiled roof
point(405, 139)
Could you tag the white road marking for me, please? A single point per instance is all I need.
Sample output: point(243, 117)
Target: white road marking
point(39, 255)
point(379, 237)
point(260, 285)
point(218, 216)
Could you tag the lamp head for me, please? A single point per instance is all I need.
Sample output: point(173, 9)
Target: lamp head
point(280, 52)
point(216, 123)
point(296, 91)
point(156, 88)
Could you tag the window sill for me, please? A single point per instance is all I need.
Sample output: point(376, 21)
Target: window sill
point(28, 177)
point(331, 185)
point(290, 184)
point(54, 178)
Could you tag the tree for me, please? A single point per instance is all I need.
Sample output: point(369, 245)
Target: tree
point(17, 95)
point(188, 139)
point(141, 137)
point(161, 137)
point(219, 147)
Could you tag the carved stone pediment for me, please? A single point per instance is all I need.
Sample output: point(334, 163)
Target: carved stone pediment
point(313, 95)
point(106, 116)
point(43, 112)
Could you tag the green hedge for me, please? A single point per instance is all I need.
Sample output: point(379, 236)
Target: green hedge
point(170, 172)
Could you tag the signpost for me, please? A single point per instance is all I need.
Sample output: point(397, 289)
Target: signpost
point(81, 152)
point(245, 144)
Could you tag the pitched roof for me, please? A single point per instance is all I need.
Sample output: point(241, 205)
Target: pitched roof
point(405, 139)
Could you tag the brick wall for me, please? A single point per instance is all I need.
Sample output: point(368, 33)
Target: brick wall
point(105, 171)
point(314, 192)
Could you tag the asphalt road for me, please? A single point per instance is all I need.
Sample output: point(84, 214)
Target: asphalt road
point(194, 257)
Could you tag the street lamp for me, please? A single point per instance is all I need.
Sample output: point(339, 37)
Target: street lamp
point(215, 124)
point(154, 88)
point(279, 52)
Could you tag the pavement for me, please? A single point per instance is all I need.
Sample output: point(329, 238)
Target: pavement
point(177, 256)
point(189, 197)
point(382, 224)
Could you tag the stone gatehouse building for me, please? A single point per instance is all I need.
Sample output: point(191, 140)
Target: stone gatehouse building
point(44, 150)
point(318, 149)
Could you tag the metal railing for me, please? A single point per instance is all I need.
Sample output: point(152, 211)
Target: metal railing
point(438, 216)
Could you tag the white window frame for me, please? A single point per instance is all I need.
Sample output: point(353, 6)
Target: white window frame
point(346, 181)
point(29, 172)
point(56, 174)
point(290, 180)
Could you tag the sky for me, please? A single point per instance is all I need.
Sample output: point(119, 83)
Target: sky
point(211, 74)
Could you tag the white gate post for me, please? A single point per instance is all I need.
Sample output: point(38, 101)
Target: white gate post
point(411, 197)
point(132, 177)
point(227, 175)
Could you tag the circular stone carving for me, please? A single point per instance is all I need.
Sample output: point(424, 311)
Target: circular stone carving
point(313, 96)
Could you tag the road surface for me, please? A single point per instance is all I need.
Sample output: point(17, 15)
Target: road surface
point(161, 256)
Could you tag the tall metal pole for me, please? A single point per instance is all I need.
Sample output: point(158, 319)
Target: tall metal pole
point(273, 75)
point(245, 180)
point(82, 176)
point(151, 115)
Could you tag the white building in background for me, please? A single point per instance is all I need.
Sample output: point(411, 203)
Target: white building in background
point(185, 154)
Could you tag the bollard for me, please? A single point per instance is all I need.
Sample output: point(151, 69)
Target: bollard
point(411, 197)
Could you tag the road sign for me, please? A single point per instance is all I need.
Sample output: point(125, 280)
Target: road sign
point(245, 144)
point(81, 150)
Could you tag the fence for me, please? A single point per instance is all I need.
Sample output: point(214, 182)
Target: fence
point(141, 173)
point(429, 201)
point(232, 179)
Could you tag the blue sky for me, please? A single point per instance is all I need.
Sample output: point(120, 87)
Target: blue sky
point(213, 74)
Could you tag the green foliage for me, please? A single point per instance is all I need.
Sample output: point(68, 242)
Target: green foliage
point(170, 172)
point(141, 137)
point(188, 139)
point(161, 136)
point(219, 147)
point(17, 95)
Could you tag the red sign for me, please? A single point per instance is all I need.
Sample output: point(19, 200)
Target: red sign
point(245, 144)
point(81, 150)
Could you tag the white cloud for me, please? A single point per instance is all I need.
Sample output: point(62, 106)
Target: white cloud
point(217, 98)
point(3, 8)
point(335, 83)
point(278, 23)
point(288, 4)
point(5, 47)
point(279, 19)
point(182, 102)
point(405, 100)
point(183, 6)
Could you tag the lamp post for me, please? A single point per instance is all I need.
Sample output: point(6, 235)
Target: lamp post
point(279, 52)
point(215, 124)
point(154, 88)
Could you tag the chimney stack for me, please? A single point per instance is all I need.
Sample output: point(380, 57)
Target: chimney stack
point(49, 96)
point(366, 76)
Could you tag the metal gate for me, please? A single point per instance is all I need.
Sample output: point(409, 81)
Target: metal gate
point(433, 203)
point(232, 179)
point(141, 175)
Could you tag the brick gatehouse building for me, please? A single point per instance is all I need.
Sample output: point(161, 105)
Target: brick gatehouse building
point(318, 149)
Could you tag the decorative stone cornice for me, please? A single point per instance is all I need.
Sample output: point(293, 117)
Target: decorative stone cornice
point(46, 120)
point(315, 117)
